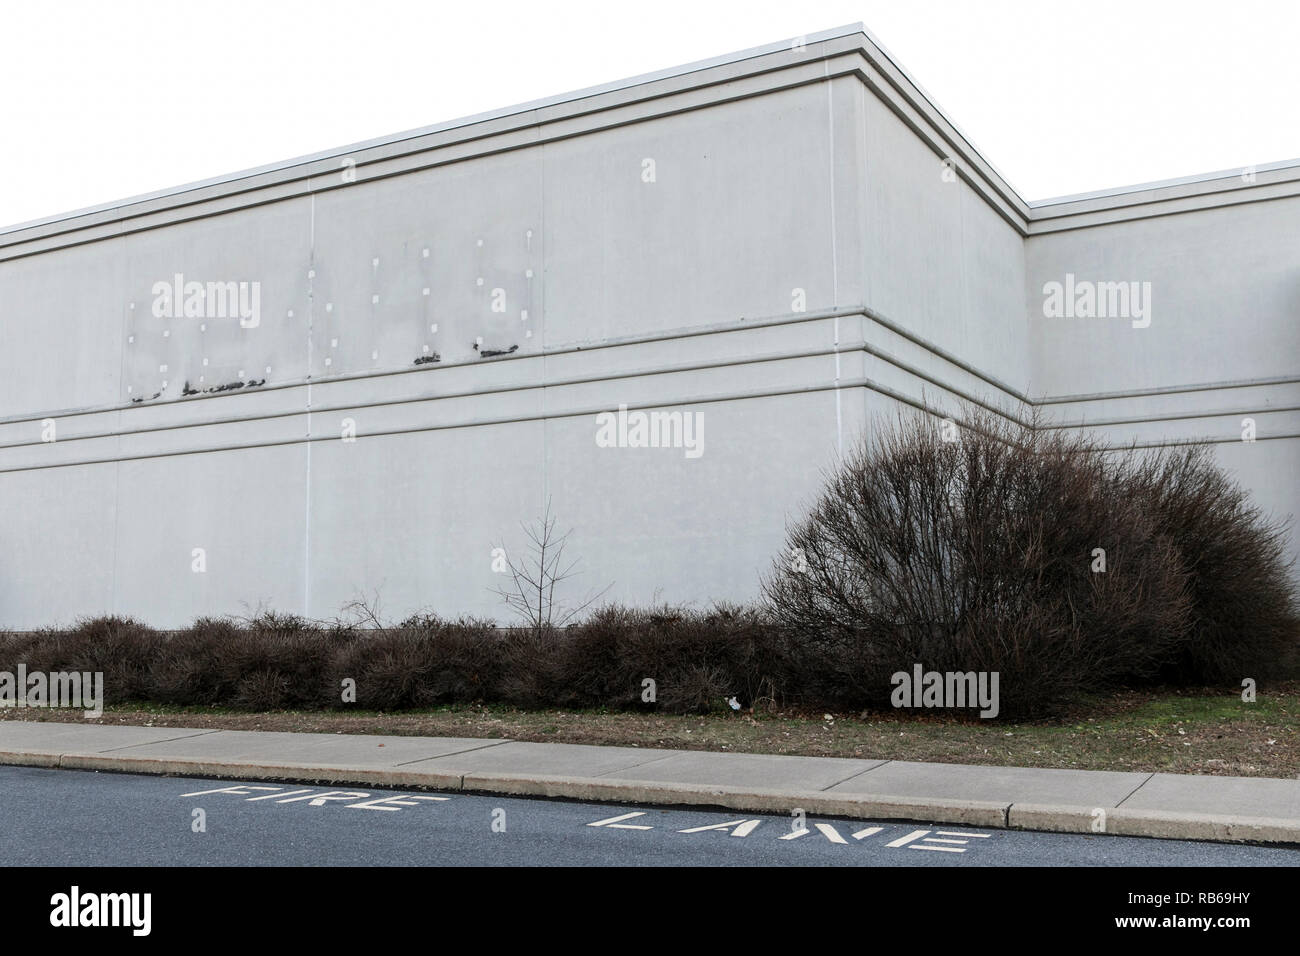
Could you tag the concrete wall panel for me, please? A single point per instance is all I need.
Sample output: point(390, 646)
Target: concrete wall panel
point(940, 260)
point(1225, 301)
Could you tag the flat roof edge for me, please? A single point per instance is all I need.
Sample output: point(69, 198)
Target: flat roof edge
point(1193, 179)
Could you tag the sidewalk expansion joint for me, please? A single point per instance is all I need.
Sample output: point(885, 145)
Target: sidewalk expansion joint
point(1134, 790)
point(165, 740)
point(643, 763)
point(854, 776)
point(452, 753)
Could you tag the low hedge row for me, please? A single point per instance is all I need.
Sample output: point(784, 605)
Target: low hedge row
point(696, 661)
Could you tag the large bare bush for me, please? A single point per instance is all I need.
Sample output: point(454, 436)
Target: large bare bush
point(978, 554)
point(1244, 616)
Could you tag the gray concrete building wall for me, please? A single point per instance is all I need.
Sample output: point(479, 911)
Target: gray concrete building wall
point(1217, 356)
point(775, 246)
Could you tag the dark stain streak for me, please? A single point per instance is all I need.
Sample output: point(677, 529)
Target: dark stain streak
point(489, 353)
point(428, 359)
point(189, 389)
point(230, 386)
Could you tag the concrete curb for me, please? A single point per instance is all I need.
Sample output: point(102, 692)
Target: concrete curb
point(223, 769)
point(1196, 826)
point(1162, 824)
point(21, 759)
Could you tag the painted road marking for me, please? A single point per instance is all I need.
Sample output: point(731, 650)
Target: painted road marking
point(613, 822)
point(400, 801)
point(825, 829)
point(269, 796)
point(743, 827)
point(910, 841)
point(945, 841)
point(916, 840)
point(319, 800)
point(241, 788)
point(353, 799)
point(904, 840)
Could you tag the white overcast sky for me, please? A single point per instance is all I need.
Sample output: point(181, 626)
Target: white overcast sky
point(105, 100)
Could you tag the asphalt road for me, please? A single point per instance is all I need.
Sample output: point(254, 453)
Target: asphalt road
point(76, 818)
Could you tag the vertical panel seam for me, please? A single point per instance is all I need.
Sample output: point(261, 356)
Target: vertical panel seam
point(835, 276)
point(311, 323)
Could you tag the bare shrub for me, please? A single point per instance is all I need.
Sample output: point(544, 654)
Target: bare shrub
point(536, 575)
point(697, 659)
point(1244, 620)
point(191, 666)
point(425, 662)
point(977, 555)
point(121, 648)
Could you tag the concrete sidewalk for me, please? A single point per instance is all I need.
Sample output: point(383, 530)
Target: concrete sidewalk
point(1074, 801)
